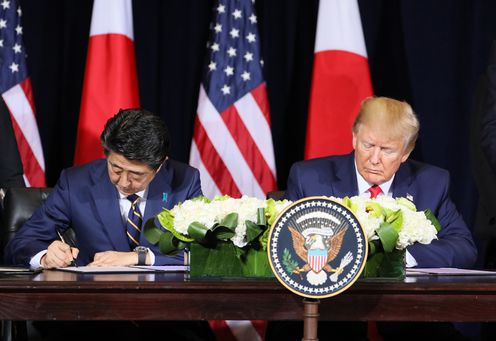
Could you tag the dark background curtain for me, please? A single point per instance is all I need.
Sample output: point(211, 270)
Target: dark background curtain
point(430, 53)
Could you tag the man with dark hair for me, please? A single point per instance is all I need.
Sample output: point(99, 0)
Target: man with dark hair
point(107, 201)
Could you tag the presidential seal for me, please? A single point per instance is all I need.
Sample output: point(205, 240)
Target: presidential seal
point(317, 247)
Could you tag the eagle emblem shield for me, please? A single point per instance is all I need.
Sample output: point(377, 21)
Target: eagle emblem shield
point(317, 247)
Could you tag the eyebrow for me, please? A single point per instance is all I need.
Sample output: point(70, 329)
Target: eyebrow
point(130, 171)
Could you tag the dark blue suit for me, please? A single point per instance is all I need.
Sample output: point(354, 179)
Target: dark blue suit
point(86, 200)
point(427, 185)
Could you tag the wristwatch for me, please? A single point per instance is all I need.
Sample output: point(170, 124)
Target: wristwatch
point(141, 251)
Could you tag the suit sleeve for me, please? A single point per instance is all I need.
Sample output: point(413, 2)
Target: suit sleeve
point(294, 186)
point(454, 246)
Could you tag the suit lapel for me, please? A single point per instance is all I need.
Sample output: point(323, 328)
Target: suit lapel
point(402, 181)
point(106, 200)
point(159, 193)
point(345, 183)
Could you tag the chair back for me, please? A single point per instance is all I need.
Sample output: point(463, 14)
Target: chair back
point(276, 195)
point(19, 205)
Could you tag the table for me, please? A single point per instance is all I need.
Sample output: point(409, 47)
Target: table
point(57, 295)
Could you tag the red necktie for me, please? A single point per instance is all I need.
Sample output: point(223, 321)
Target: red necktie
point(375, 191)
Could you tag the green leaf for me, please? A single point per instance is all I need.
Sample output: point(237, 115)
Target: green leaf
point(270, 211)
point(221, 232)
point(395, 218)
point(372, 265)
point(287, 261)
point(166, 219)
point(261, 220)
point(230, 220)
point(388, 236)
point(152, 233)
point(430, 216)
point(374, 209)
point(264, 238)
point(407, 203)
point(201, 198)
point(252, 231)
point(169, 245)
point(348, 203)
point(197, 231)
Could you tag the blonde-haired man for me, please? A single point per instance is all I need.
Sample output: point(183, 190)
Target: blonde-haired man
point(384, 135)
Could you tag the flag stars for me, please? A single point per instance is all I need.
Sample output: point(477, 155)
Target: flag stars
point(212, 66)
point(14, 67)
point(5, 4)
point(234, 33)
point(251, 37)
point(1, 42)
point(18, 29)
point(16, 48)
point(3, 23)
point(218, 28)
point(226, 90)
point(221, 9)
point(248, 56)
point(231, 52)
point(253, 18)
point(229, 71)
point(215, 47)
point(19, 11)
point(246, 76)
point(237, 14)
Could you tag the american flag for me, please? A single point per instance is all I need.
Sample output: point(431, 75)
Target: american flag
point(15, 87)
point(232, 142)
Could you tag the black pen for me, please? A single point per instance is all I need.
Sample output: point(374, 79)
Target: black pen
point(73, 262)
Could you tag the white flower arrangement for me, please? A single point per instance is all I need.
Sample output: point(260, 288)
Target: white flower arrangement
point(228, 218)
point(399, 214)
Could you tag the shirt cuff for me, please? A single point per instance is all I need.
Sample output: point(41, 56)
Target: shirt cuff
point(410, 261)
point(35, 262)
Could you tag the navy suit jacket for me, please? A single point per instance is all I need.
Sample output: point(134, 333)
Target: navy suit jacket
point(85, 200)
point(427, 185)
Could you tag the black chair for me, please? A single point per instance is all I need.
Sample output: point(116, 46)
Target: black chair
point(276, 195)
point(18, 204)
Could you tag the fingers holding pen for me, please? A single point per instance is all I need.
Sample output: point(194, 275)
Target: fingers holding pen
point(59, 255)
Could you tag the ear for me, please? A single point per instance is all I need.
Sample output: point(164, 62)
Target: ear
point(405, 156)
point(354, 141)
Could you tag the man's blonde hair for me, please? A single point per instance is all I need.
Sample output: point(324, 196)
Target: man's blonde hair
point(394, 118)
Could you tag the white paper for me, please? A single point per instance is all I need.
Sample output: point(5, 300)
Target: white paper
point(126, 269)
point(447, 272)
point(104, 269)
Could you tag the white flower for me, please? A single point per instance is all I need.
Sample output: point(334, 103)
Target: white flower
point(191, 211)
point(415, 226)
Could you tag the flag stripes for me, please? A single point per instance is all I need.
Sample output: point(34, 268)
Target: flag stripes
point(26, 132)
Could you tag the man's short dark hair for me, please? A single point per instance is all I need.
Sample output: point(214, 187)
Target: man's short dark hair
point(138, 135)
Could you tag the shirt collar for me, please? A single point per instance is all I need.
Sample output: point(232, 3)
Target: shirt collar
point(143, 194)
point(363, 185)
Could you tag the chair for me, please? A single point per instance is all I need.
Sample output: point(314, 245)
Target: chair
point(276, 195)
point(18, 204)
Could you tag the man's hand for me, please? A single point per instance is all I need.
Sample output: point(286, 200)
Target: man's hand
point(114, 258)
point(58, 255)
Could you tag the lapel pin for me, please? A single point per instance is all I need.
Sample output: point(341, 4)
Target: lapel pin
point(164, 197)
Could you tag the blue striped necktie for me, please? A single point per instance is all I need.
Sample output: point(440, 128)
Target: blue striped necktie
point(134, 221)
